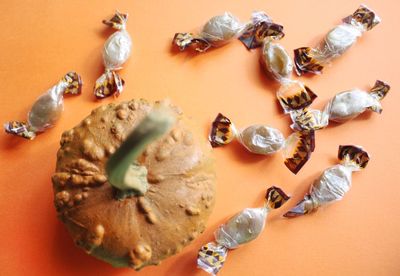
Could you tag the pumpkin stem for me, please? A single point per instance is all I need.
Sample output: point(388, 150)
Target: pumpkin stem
point(124, 173)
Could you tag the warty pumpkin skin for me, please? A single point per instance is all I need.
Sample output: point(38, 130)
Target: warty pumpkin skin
point(138, 230)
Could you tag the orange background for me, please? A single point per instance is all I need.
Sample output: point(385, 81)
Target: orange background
point(41, 40)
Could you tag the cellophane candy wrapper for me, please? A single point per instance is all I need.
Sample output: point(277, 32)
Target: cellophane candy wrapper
point(265, 140)
point(260, 28)
point(242, 228)
point(218, 31)
point(47, 109)
point(116, 52)
point(336, 42)
point(334, 182)
point(341, 108)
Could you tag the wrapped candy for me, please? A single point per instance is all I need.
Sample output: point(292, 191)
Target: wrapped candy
point(344, 106)
point(336, 42)
point(47, 108)
point(116, 52)
point(221, 29)
point(259, 29)
point(218, 31)
point(242, 228)
point(334, 182)
point(265, 140)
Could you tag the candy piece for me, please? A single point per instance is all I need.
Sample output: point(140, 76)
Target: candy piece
point(242, 228)
point(47, 109)
point(336, 42)
point(276, 61)
point(334, 182)
point(116, 52)
point(343, 107)
point(262, 139)
point(260, 29)
point(218, 31)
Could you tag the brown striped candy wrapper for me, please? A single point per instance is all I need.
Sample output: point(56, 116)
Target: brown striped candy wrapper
point(294, 95)
point(261, 28)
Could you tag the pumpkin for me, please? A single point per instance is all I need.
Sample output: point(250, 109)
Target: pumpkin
point(138, 229)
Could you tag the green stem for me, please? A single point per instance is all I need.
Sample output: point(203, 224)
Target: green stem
point(124, 174)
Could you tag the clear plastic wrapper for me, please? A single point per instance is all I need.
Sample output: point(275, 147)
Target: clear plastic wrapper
point(217, 31)
point(261, 28)
point(265, 140)
point(116, 52)
point(341, 108)
point(47, 109)
point(336, 42)
point(334, 182)
point(242, 228)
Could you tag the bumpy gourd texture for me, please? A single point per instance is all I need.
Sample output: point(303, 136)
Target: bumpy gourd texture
point(136, 231)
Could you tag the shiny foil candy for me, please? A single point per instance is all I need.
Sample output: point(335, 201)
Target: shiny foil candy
point(116, 52)
point(47, 109)
point(341, 108)
point(334, 182)
point(336, 42)
point(218, 31)
point(242, 228)
point(265, 140)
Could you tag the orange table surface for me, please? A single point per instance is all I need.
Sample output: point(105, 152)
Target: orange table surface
point(42, 40)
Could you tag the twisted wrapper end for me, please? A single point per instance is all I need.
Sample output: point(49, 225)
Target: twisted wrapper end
point(294, 95)
point(109, 83)
point(298, 148)
point(353, 156)
point(378, 92)
point(260, 29)
point(222, 131)
point(275, 197)
point(20, 129)
point(118, 21)
point(74, 82)
point(310, 119)
point(305, 206)
point(185, 40)
point(211, 257)
point(306, 61)
point(364, 16)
